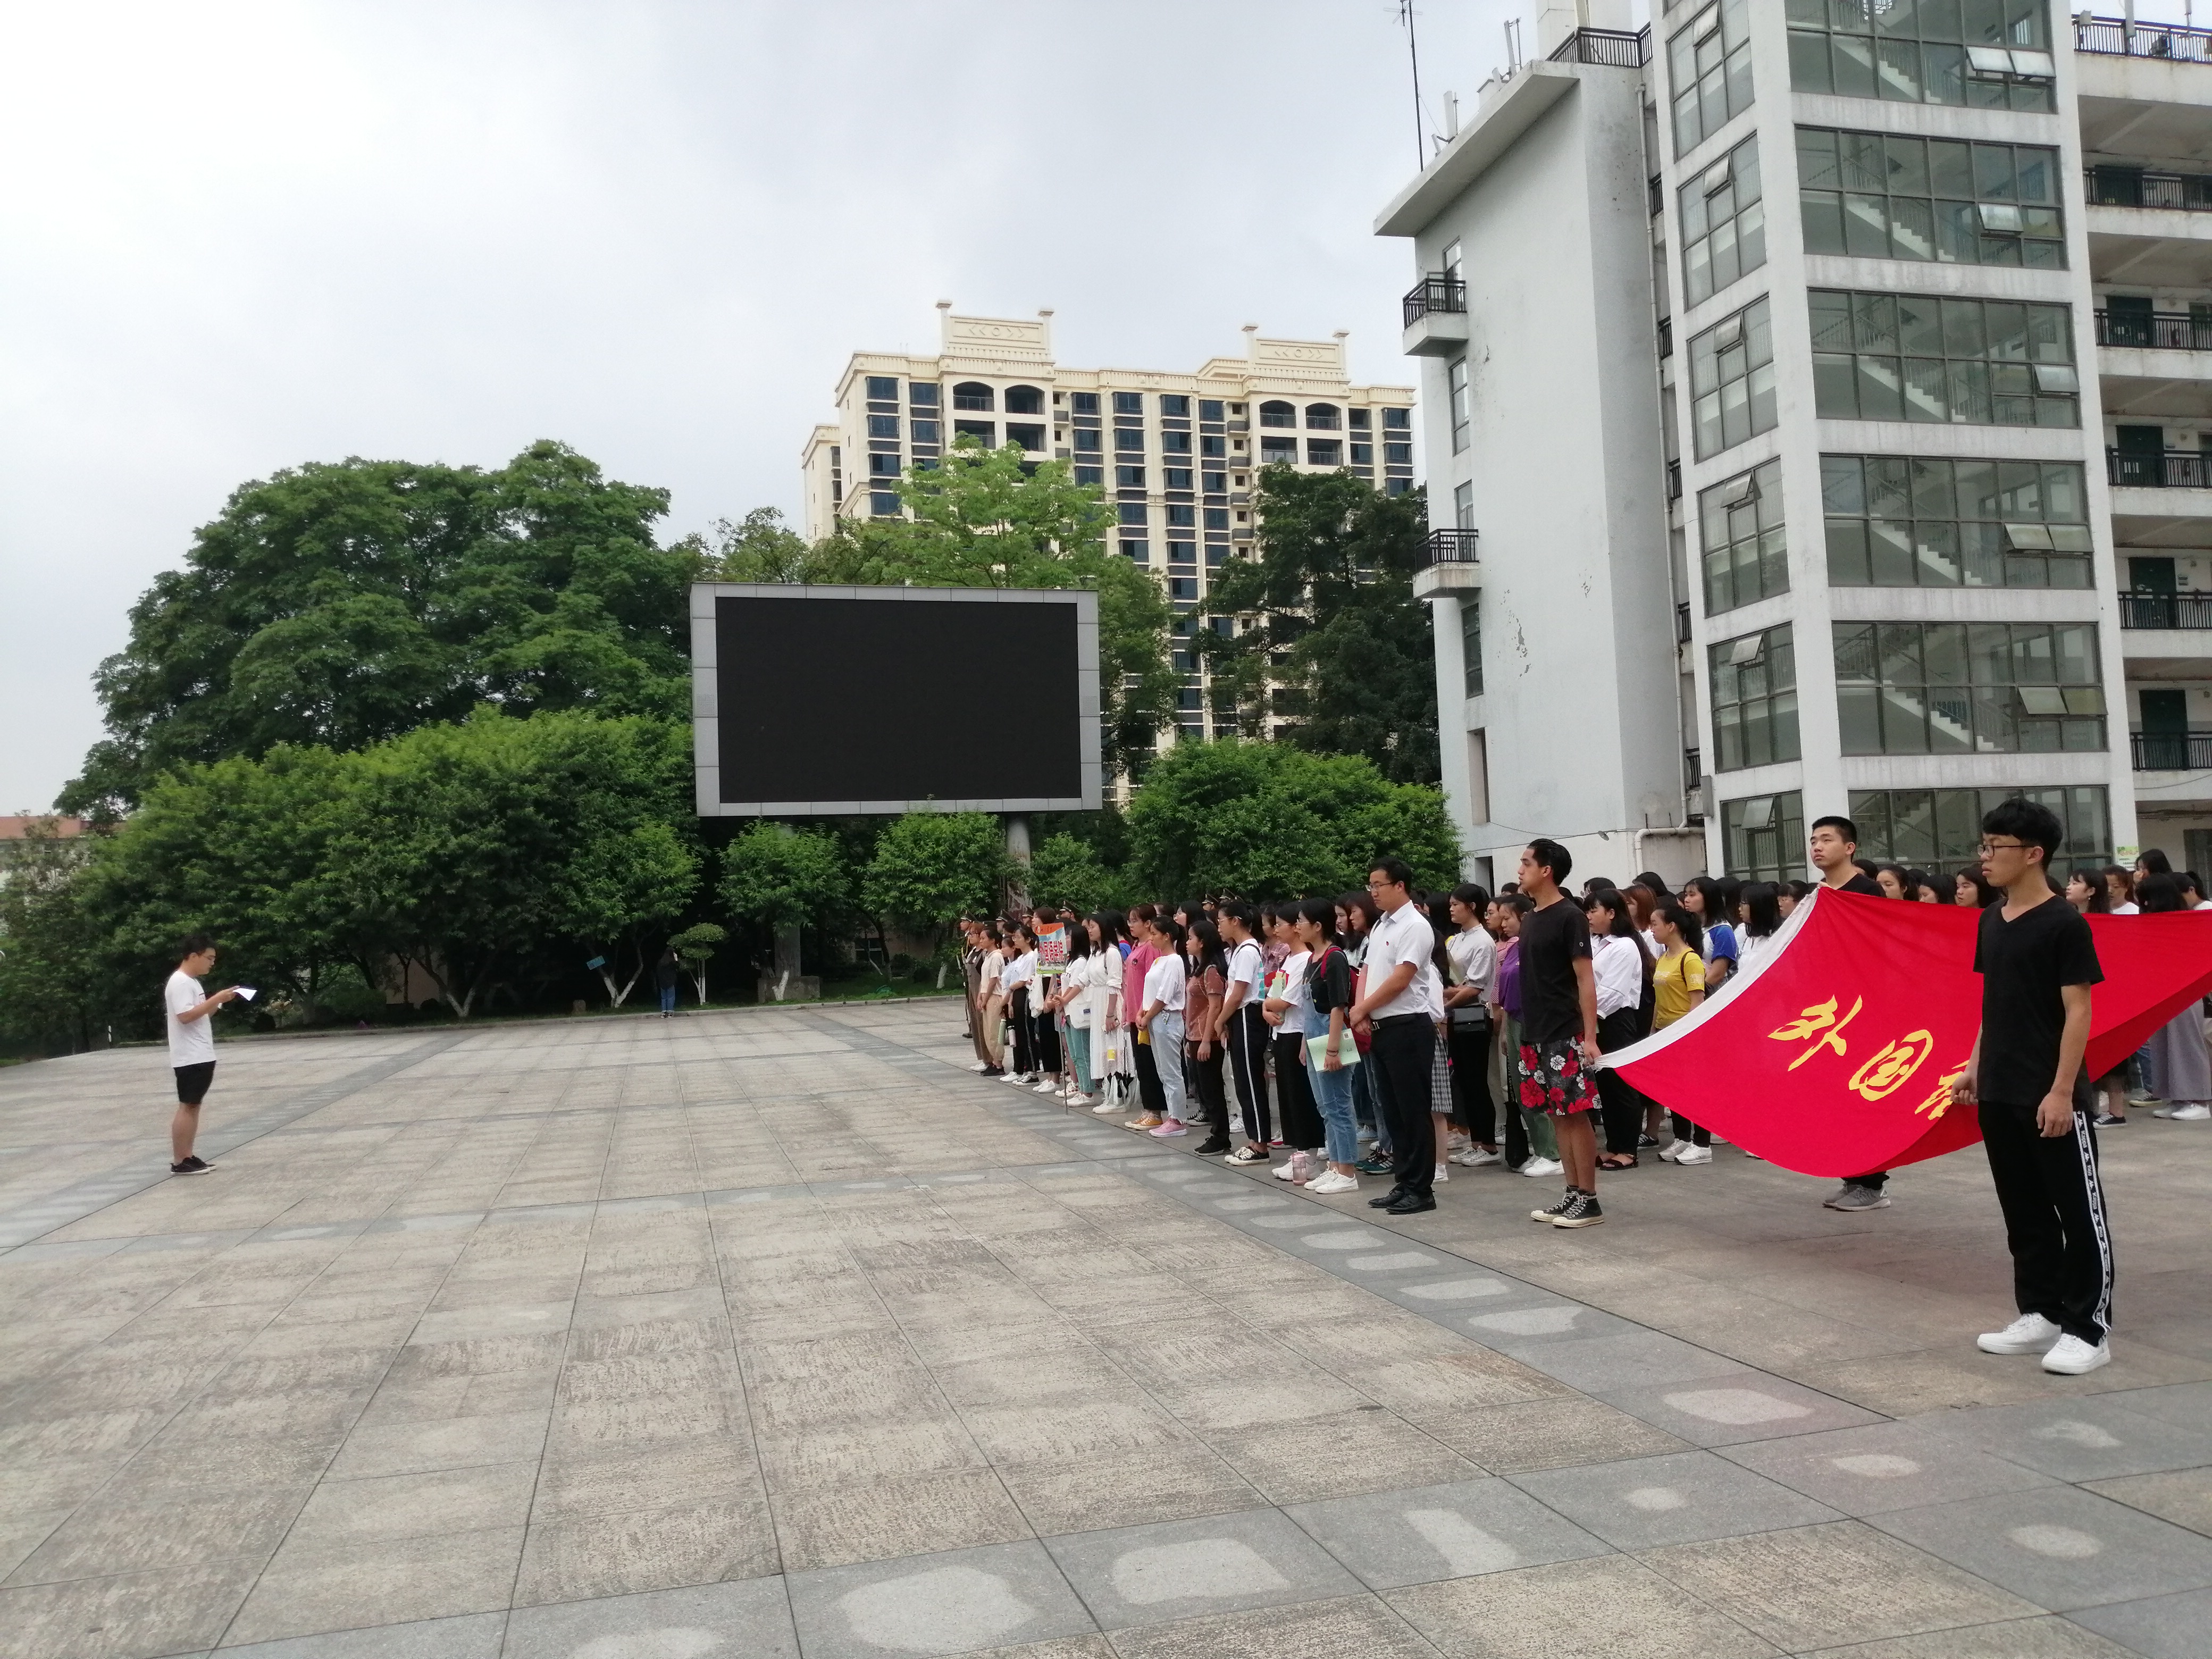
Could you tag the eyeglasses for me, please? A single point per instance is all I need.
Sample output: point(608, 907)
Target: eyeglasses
point(1990, 847)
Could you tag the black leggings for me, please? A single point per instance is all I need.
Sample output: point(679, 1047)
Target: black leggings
point(1017, 1016)
point(1045, 1041)
point(1248, 1065)
point(1685, 1130)
point(1470, 1046)
point(1206, 1085)
point(1302, 1130)
point(1149, 1092)
point(1620, 1106)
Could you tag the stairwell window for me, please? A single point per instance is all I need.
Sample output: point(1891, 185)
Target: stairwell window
point(1897, 197)
point(1754, 692)
point(1741, 538)
point(1723, 223)
point(1960, 362)
point(1732, 380)
point(1994, 55)
point(1709, 71)
point(1930, 521)
point(1968, 687)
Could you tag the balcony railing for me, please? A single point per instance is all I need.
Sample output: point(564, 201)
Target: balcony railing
point(1447, 547)
point(1666, 337)
point(2170, 752)
point(1674, 480)
point(2138, 187)
point(2161, 330)
point(1612, 48)
point(1683, 623)
point(2140, 610)
point(1447, 293)
point(2173, 469)
point(2112, 37)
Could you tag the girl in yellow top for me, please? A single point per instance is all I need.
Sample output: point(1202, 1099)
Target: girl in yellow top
point(1678, 985)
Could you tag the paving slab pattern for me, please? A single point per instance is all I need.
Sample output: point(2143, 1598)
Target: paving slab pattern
point(777, 1332)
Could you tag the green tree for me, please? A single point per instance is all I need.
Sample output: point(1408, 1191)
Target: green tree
point(988, 517)
point(760, 547)
point(931, 868)
point(1268, 821)
point(1336, 641)
point(341, 604)
point(1068, 872)
point(49, 968)
point(784, 878)
point(625, 883)
point(695, 949)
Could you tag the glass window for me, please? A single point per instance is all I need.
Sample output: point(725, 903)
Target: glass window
point(1968, 362)
point(1322, 417)
point(1181, 517)
point(1209, 409)
point(1083, 403)
point(1217, 518)
point(1031, 438)
point(1397, 486)
point(926, 432)
point(1470, 640)
point(973, 394)
point(883, 425)
point(1211, 445)
point(984, 432)
point(1129, 438)
point(1276, 451)
point(1360, 420)
point(1363, 455)
point(1025, 400)
point(1132, 511)
point(1754, 693)
point(1943, 827)
point(1176, 443)
point(1324, 451)
point(1463, 506)
point(1740, 532)
point(1397, 420)
point(882, 388)
point(921, 397)
point(1723, 223)
point(1763, 836)
point(1140, 552)
point(884, 504)
point(1128, 403)
point(1175, 404)
point(1129, 478)
point(1181, 552)
point(1093, 476)
point(1178, 477)
point(1914, 521)
point(1968, 687)
point(1278, 413)
point(1216, 482)
point(1397, 454)
point(1732, 380)
point(884, 466)
point(1709, 71)
point(1462, 416)
point(1898, 197)
point(1087, 439)
point(1987, 54)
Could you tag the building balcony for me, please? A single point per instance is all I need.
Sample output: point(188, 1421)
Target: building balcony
point(1447, 565)
point(2109, 186)
point(2165, 610)
point(1435, 317)
point(2155, 367)
point(2155, 330)
point(2173, 469)
point(2170, 751)
point(2148, 227)
point(1608, 48)
point(2116, 37)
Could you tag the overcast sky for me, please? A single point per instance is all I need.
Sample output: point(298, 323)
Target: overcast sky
point(237, 238)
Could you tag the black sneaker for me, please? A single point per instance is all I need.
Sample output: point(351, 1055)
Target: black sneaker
point(192, 1166)
point(1551, 1212)
point(1645, 1142)
point(1582, 1211)
point(2106, 1121)
point(1214, 1146)
point(1372, 1164)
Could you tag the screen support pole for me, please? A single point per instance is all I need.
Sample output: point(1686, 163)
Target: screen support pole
point(1017, 850)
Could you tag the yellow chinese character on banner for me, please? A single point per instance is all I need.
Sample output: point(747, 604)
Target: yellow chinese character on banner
point(1938, 1097)
point(1819, 1023)
point(1886, 1070)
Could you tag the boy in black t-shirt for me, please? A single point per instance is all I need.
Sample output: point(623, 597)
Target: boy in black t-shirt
point(2037, 961)
point(1554, 1071)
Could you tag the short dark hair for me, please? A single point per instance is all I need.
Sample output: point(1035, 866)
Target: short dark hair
point(1473, 894)
point(195, 945)
point(2031, 823)
point(1550, 855)
point(2154, 862)
point(1842, 825)
point(1395, 871)
point(1693, 931)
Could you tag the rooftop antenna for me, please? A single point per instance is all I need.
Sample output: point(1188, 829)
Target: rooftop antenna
point(1413, 49)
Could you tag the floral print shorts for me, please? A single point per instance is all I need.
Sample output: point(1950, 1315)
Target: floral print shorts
point(1553, 1079)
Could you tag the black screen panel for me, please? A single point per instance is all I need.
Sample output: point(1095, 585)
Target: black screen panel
point(875, 700)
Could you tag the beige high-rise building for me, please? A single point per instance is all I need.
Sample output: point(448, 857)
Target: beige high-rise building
point(1174, 452)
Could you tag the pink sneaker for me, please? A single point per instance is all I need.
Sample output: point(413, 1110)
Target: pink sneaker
point(1170, 1129)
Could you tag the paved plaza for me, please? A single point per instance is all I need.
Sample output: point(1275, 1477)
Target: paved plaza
point(776, 1332)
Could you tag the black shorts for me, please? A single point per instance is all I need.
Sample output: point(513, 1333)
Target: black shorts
point(192, 1082)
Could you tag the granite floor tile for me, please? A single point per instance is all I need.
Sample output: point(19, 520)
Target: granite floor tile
point(750, 1619)
point(472, 1636)
point(880, 1520)
point(471, 1499)
point(1543, 1434)
point(1883, 1466)
point(2160, 1627)
point(2062, 1547)
point(307, 1590)
point(2181, 1495)
point(448, 1443)
point(1678, 1498)
point(1334, 1629)
point(1178, 1569)
point(2088, 1438)
point(1360, 1450)
point(1001, 1595)
point(660, 1548)
point(2047, 1638)
point(1131, 1490)
point(130, 1616)
point(141, 1532)
point(1447, 1531)
point(1621, 1610)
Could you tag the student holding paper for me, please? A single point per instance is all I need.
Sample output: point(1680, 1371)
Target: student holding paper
point(192, 1048)
point(1331, 1052)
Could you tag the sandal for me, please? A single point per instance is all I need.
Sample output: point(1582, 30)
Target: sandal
point(1616, 1161)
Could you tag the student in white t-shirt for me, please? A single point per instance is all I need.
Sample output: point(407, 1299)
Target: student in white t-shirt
point(192, 1048)
point(1244, 1028)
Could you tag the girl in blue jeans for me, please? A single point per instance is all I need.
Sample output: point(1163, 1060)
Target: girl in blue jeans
point(1329, 981)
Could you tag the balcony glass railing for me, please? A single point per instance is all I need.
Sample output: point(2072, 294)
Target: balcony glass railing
point(1435, 294)
point(2139, 187)
point(2171, 469)
point(2159, 331)
point(2115, 37)
point(2170, 752)
point(2141, 609)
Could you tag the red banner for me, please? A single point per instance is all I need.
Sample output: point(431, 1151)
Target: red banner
point(1835, 1054)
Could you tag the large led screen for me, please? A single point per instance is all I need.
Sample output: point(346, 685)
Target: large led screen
point(820, 701)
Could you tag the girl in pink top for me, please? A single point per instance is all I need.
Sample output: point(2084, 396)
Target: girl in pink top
point(1141, 956)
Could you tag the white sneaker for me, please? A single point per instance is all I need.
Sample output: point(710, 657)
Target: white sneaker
point(1481, 1155)
point(2072, 1356)
point(2029, 1333)
point(1540, 1167)
point(1049, 1086)
point(1457, 1142)
point(1330, 1181)
point(2196, 1112)
point(1673, 1150)
point(1079, 1100)
point(1106, 1106)
point(1018, 1076)
point(1694, 1155)
point(1287, 1170)
point(1444, 1172)
point(980, 1065)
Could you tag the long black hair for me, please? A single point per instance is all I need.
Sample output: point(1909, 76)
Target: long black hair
point(1172, 927)
point(1614, 903)
point(1323, 914)
point(1210, 954)
point(2155, 893)
point(1764, 911)
point(1678, 918)
point(1112, 927)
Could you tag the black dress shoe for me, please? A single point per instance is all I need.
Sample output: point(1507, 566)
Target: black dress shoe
point(1386, 1200)
point(1410, 1204)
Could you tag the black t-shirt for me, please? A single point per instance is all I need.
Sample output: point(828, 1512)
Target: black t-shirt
point(1328, 977)
point(2023, 963)
point(1863, 883)
point(1551, 939)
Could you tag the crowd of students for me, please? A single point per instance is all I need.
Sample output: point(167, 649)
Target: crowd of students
point(1295, 1034)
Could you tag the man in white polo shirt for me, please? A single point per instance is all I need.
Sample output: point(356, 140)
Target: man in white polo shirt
point(1401, 1000)
point(192, 1048)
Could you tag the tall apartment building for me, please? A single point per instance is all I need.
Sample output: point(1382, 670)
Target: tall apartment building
point(1175, 452)
point(1829, 385)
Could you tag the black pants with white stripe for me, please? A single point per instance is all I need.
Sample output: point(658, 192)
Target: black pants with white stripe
point(1247, 1067)
point(2055, 1221)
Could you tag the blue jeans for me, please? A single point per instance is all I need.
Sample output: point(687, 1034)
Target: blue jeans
point(1078, 1051)
point(1332, 1093)
point(668, 999)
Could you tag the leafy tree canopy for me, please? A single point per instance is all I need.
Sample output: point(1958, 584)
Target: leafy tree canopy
point(338, 605)
point(1068, 872)
point(781, 876)
point(1336, 627)
point(1267, 821)
point(931, 868)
